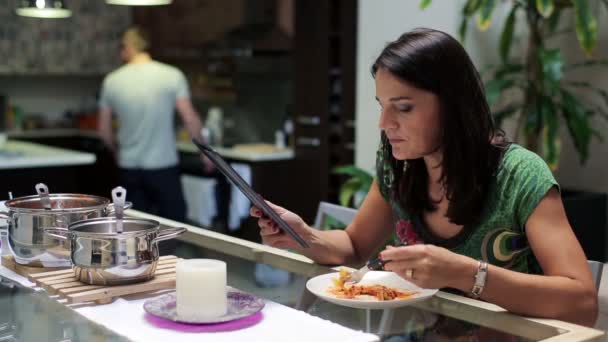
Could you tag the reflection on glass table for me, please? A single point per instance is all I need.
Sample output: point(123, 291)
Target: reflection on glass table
point(432, 320)
point(26, 315)
point(445, 316)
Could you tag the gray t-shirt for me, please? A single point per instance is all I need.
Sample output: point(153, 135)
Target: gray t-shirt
point(143, 96)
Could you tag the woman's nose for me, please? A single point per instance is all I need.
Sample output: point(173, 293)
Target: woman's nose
point(385, 121)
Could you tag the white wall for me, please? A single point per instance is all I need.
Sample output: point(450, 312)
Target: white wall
point(382, 21)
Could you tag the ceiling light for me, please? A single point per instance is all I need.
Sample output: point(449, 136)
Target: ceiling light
point(139, 2)
point(43, 9)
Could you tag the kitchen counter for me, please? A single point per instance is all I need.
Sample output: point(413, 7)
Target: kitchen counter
point(249, 153)
point(53, 133)
point(246, 152)
point(20, 155)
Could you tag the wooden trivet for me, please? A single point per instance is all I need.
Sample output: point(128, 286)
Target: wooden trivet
point(65, 284)
point(9, 262)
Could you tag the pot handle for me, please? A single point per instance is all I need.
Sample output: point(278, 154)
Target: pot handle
point(169, 233)
point(110, 210)
point(59, 233)
point(43, 192)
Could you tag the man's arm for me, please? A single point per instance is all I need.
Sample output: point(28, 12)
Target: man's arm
point(190, 118)
point(105, 126)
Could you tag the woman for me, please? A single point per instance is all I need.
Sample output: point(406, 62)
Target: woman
point(456, 193)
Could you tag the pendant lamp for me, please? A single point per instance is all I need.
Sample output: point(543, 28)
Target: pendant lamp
point(43, 9)
point(139, 2)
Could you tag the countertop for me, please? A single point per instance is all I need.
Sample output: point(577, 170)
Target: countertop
point(53, 132)
point(20, 155)
point(250, 153)
point(246, 152)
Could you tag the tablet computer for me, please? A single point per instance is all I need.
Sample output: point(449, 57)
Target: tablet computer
point(254, 197)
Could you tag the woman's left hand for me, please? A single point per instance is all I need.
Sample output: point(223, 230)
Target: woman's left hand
point(431, 267)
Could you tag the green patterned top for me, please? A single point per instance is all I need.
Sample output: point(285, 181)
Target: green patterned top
point(522, 180)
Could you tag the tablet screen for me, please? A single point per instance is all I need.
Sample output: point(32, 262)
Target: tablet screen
point(255, 198)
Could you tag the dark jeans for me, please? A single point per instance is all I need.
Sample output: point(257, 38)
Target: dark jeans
point(222, 197)
point(158, 192)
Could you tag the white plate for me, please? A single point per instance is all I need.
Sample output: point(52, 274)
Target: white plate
point(321, 284)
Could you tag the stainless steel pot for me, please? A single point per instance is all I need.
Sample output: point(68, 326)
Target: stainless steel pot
point(29, 216)
point(103, 257)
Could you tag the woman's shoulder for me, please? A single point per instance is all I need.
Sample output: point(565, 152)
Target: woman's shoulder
point(523, 169)
point(518, 159)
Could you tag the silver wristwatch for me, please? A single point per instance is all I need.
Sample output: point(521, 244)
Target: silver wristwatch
point(480, 279)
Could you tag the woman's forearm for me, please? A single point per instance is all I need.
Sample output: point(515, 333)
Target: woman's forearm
point(554, 297)
point(331, 247)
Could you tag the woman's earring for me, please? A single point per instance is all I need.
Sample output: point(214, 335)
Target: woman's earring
point(404, 166)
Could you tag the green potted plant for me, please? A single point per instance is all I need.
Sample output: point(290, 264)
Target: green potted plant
point(354, 189)
point(533, 87)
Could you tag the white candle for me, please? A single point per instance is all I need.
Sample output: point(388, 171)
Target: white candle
point(201, 289)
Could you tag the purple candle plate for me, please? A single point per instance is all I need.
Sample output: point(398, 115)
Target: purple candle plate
point(237, 324)
point(240, 305)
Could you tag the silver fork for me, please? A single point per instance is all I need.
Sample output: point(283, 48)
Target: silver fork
point(376, 264)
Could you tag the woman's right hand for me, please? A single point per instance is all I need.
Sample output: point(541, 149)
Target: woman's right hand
point(273, 236)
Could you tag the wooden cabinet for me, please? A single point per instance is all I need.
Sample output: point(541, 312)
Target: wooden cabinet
point(324, 89)
point(180, 30)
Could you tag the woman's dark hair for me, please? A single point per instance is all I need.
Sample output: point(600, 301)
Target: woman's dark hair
point(434, 61)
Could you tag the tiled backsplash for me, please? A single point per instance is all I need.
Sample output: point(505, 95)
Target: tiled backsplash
point(86, 43)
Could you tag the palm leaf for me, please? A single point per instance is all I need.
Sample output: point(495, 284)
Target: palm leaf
point(462, 30)
point(533, 117)
point(506, 38)
point(495, 87)
point(577, 121)
point(507, 69)
point(586, 25)
point(545, 7)
point(551, 140)
point(591, 63)
point(484, 17)
point(553, 21)
point(354, 172)
point(552, 65)
point(331, 223)
point(424, 4)
point(347, 191)
point(501, 115)
point(599, 91)
point(471, 7)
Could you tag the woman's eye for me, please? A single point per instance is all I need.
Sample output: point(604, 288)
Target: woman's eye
point(405, 109)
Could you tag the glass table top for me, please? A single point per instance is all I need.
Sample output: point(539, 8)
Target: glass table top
point(27, 315)
point(445, 317)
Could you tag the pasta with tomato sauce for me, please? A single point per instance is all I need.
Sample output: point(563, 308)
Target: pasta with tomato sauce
point(379, 292)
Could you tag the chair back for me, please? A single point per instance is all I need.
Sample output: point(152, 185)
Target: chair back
point(339, 213)
point(596, 271)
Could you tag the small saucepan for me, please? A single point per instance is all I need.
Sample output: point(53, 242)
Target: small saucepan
point(102, 256)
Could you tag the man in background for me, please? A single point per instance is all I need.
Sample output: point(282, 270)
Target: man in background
point(143, 94)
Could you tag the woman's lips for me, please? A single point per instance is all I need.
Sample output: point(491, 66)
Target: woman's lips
point(395, 141)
